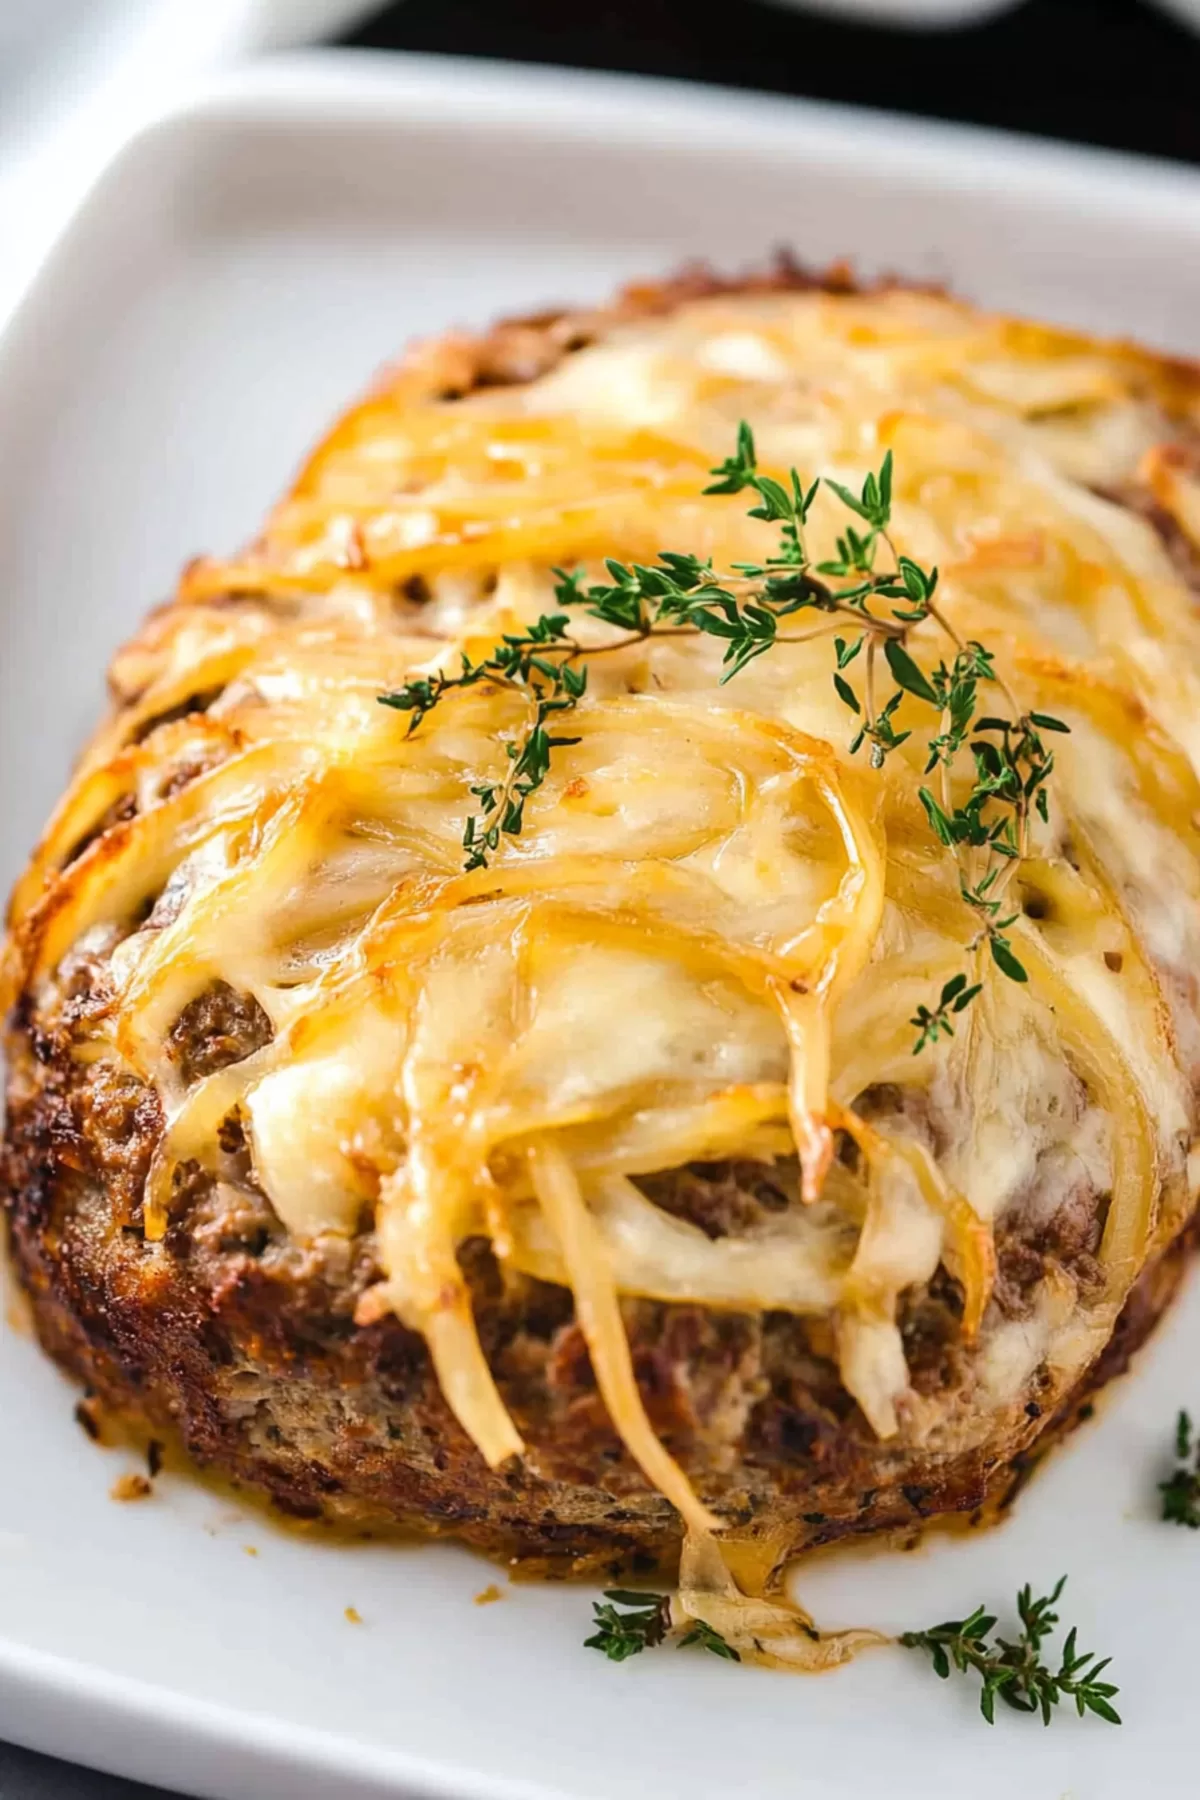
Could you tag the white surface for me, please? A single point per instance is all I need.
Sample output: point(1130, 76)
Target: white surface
point(231, 281)
point(76, 77)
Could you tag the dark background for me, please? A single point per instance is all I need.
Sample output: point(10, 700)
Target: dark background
point(1112, 72)
point(1115, 73)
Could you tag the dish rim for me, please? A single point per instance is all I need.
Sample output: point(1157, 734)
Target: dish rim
point(329, 87)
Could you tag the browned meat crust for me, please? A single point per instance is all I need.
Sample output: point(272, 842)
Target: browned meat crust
point(243, 1342)
point(522, 349)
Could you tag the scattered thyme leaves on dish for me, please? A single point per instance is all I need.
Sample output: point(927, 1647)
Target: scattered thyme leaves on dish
point(1181, 1491)
point(628, 1622)
point(645, 1622)
point(627, 1633)
point(1015, 1672)
point(708, 1639)
point(682, 595)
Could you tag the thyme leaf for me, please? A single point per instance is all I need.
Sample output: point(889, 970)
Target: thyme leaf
point(643, 1623)
point(620, 1635)
point(933, 1023)
point(709, 1639)
point(1016, 1672)
point(1181, 1491)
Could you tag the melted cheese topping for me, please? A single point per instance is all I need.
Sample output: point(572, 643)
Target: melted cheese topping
point(711, 935)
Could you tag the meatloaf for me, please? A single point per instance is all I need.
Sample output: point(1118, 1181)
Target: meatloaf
point(596, 1188)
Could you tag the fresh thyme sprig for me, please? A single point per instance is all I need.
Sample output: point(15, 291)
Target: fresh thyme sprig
point(628, 1622)
point(521, 661)
point(682, 595)
point(646, 1624)
point(1181, 1492)
point(1015, 1672)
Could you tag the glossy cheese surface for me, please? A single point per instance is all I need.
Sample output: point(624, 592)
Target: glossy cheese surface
point(711, 936)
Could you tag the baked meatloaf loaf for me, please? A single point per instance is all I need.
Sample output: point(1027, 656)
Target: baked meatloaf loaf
point(631, 1079)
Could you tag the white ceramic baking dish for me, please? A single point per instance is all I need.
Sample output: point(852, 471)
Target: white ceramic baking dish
point(238, 273)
